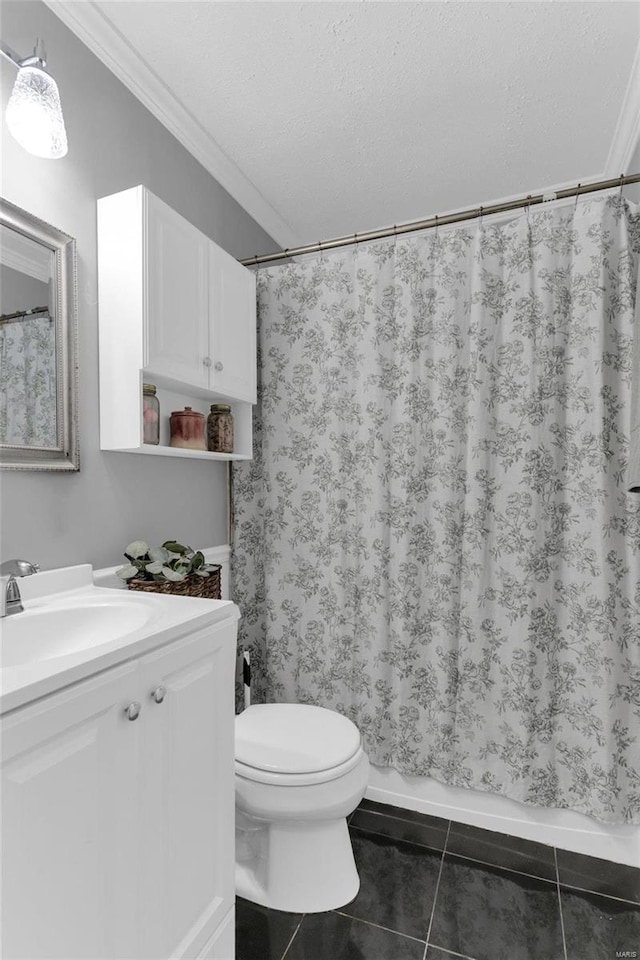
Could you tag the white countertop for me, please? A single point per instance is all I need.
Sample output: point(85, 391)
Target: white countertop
point(170, 617)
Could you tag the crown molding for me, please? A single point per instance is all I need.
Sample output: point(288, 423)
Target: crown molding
point(21, 254)
point(626, 138)
point(107, 43)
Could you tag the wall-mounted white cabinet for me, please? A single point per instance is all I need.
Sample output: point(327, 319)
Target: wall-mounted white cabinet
point(175, 310)
point(121, 836)
point(176, 318)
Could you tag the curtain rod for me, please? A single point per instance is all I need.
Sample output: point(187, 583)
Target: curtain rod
point(6, 317)
point(458, 217)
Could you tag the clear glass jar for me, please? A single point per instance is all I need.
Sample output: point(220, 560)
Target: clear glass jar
point(220, 428)
point(150, 414)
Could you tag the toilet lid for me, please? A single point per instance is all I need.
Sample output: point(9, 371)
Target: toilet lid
point(294, 738)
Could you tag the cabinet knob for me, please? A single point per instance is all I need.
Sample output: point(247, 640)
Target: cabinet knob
point(207, 361)
point(159, 694)
point(218, 365)
point(133, 710)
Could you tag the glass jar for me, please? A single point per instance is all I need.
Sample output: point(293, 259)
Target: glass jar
point(150, 414)
point(187, 429)
point(220, 428)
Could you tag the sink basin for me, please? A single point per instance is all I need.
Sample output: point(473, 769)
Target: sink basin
point(59, 629)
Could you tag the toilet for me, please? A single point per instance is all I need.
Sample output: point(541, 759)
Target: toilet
point(300, 771)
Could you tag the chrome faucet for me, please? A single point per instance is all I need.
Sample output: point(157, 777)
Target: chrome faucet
point(10, 599)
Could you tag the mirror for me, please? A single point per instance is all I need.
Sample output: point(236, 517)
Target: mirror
point(38, 344)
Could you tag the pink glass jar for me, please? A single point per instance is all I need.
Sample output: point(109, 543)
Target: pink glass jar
point(150, 414)
point(188, 429)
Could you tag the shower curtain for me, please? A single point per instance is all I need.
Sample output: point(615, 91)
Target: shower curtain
point(28, 382)
point(434, 537)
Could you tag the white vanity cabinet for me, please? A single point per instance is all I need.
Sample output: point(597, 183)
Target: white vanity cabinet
point(118, 833)
point(187, 768)
point(70, 790)
point(175, 310)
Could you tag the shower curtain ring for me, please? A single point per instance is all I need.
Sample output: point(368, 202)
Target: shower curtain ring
point(621, 184)
point(480, 217)
point(577, 195)
point(436, 233)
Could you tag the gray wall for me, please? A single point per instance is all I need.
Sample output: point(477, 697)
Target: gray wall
point(114, 143)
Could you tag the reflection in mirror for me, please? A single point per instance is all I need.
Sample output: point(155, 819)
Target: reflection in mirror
point(27, 343)
point(38, 354)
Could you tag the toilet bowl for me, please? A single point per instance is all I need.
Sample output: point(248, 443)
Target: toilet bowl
point(300, 771)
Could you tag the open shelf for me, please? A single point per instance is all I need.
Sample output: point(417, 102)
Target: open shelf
point(164, 451)
point(171, 399)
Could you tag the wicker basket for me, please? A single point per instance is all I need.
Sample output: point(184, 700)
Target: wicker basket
point(194, 586)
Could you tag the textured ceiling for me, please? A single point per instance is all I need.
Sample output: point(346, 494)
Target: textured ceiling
point(351, 116)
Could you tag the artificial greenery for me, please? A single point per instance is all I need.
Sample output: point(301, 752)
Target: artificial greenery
point(172, 561)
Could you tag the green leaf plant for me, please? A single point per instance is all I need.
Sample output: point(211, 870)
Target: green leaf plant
point(172, 561)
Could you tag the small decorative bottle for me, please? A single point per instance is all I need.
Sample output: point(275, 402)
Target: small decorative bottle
point(220, 428)
point(150, 414)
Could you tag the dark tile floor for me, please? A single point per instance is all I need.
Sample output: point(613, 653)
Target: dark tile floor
point(432, 889)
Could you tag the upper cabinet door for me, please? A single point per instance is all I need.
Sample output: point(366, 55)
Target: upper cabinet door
point(177, 314)
point(232, 297)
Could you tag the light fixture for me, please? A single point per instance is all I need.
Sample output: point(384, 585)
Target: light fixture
point(34, 114)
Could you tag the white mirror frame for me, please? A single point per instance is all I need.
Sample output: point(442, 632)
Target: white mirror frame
point(65, 456)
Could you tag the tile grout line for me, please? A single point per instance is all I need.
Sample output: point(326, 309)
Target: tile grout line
point(570, 886)
point(598, 893)
point(389, 836)
point(392, 816)
point(452, 953)
point(417, 823)
point(293, 936)
point(460, 856)
point(378, 926)
point(435, 897)
point(564, 941)
point(388, 816)
point(499, 866)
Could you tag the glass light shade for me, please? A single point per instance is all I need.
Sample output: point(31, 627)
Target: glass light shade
point(34, 114)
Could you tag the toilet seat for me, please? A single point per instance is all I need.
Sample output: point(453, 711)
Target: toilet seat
point(298, 779)
point(293, 744)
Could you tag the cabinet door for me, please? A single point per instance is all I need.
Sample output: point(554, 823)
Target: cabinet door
point(69, 807)
point(177, 313)
point(187, 768)
point(232, 292)
point(222, 945)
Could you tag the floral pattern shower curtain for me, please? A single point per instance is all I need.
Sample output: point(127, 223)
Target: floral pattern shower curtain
point(434, 537)
point(28, 382)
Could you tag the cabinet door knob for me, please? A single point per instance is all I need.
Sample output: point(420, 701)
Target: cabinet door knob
point(207, 361)
point(218, 365)
point(159, 693)
point(133, 710)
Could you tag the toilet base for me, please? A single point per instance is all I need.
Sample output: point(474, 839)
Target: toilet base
point(295, 866)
